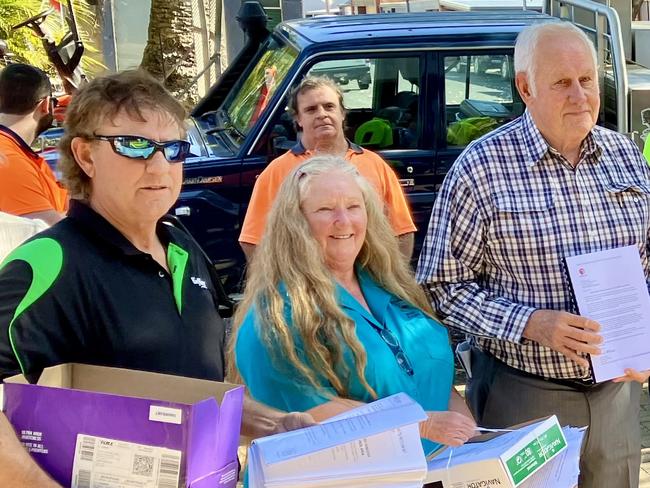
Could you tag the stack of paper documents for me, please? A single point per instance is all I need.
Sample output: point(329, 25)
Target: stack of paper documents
point(564, 470)
point(539, 455)
point(377, 445)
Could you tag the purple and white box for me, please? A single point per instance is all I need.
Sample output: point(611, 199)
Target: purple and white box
point(94, 426)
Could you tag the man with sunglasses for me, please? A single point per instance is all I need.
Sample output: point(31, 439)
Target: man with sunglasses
point(111, 285)
point(28, 186)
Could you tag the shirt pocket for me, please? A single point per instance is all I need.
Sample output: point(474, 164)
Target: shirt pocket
point(634, 194)
point(522, 218)
point(629, 202)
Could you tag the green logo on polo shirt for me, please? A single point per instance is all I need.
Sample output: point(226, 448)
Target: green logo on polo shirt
point(177, 261)
point(45, 257)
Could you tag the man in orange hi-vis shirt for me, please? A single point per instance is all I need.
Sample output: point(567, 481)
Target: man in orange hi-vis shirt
point(317, 107)
point(28, 186)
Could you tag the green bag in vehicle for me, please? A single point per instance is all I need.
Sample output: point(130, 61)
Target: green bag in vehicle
point(464, 131)
point(646, 149)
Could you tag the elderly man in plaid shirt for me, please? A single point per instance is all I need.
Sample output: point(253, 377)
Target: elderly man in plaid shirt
point(548, 185)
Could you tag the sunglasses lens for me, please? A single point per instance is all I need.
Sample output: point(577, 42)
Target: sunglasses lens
point(389, 338)
point(134, 147)
point(176, 151)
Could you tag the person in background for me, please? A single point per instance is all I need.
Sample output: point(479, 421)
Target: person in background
point(331, 311)
point(549, 185)
point(316, 105)
point(28, 187)
point(116, 287)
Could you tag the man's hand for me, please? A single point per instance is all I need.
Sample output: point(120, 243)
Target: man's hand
point(565, 333)
point(633, 375)
point(449, 428)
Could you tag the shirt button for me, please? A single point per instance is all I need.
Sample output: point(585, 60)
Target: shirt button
point(636, 199)
point(161, 274)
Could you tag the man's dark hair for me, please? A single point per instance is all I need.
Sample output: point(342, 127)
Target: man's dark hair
point(21, 88)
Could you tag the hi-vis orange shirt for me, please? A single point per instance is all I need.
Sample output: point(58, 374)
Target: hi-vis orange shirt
point(27, 184)
point(370, 166)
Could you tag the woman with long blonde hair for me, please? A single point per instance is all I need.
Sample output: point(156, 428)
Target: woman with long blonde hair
point(331, 314)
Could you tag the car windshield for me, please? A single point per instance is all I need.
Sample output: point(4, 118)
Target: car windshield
point(244, 108)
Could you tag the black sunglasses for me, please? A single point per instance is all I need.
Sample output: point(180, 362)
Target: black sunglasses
point(393, 344)
point(137, 147)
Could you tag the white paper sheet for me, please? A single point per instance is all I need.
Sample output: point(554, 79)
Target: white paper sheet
point(365, 421)
point(376, 445)
point(564, 470)
point(385, 457)
point(610, 288)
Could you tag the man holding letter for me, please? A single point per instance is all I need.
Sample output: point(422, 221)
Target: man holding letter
point(547, 186)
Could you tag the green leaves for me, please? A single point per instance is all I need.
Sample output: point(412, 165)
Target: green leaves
point(25, 45)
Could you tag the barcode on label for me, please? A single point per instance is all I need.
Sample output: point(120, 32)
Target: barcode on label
point(170, 467)
point(87, 449)
point(83, 478)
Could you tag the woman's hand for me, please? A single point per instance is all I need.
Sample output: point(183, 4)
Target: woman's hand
point(449, 428)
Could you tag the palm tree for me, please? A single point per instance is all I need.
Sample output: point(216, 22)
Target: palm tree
point(169, 53)
point(22, 43)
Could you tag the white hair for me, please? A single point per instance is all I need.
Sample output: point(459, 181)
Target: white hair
point(528, 41)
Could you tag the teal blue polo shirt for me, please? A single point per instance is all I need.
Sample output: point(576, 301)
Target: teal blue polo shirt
point(270, 378)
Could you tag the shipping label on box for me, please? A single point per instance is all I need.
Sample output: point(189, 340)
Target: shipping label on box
point(505, 461)
point(101, 462)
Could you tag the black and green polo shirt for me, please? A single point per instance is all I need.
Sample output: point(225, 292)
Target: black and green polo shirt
point(81, 292)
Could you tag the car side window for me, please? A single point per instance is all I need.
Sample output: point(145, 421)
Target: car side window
point(382, 99)
point(381, 96)
point(479, 95)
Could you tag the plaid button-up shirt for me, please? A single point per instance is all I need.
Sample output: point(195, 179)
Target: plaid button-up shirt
point(509, 211)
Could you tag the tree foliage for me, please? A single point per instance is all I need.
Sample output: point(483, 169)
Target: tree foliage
point(25, 45)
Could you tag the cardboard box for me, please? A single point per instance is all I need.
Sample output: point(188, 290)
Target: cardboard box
point(505, 461)
point(115, 425)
